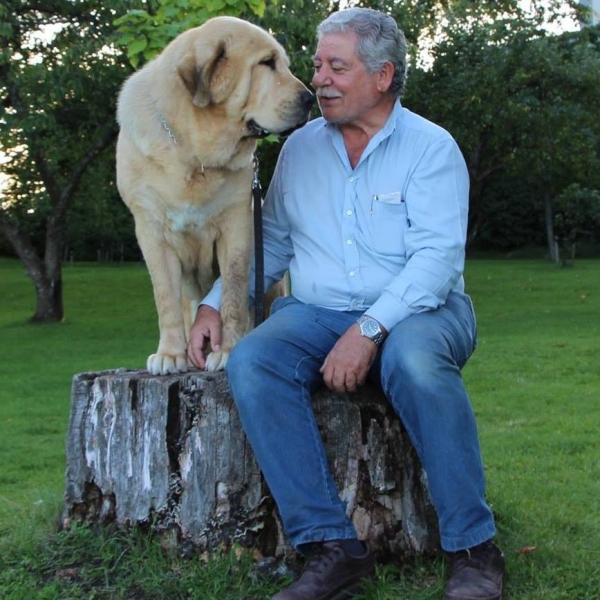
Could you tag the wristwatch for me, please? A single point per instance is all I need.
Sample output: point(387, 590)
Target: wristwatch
point(370, 328)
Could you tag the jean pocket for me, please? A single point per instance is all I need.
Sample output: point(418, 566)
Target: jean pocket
point(282, 302)
point(474, 320)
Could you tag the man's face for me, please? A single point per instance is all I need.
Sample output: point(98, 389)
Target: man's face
point(345, 90)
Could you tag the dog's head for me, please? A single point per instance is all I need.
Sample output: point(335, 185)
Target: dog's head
point(239, 69)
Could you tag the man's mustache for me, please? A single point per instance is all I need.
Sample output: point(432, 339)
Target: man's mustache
point(321, 93)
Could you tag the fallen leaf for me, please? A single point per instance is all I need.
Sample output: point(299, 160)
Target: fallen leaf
point(527, 550)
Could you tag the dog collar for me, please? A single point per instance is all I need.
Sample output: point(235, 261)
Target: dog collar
point(166, 127)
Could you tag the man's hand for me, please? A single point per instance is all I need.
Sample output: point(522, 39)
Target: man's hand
point(347, 365)
point(205, 331)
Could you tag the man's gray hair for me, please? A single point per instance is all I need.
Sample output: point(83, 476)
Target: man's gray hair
point(379, 40)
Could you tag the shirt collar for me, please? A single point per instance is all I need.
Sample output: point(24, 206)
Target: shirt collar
point(389, 127)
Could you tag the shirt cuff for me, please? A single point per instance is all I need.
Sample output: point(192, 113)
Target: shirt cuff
point(213, 298)
point(388, 311)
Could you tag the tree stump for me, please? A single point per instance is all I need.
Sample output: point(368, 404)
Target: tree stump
point(169, 452)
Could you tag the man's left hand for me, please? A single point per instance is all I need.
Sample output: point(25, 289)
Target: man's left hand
point(347, 365)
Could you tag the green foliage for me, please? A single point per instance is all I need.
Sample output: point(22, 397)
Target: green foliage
point(58, 83)
point(59, 76)
point(519, 102)
point(513, 216)
point(145, 32)
point(522, 105)
point(576, 216)
point(98, 225)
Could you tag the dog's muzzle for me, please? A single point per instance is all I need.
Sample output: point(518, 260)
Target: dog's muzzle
point(307, 99)
point(255, 130)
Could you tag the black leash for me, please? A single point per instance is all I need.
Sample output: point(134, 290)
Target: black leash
point(259, 258)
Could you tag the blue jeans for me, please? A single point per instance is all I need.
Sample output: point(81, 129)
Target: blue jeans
point(274, 370)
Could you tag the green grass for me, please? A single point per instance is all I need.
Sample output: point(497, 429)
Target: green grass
point(535, 383)
point(110, 322)
point(535, 386)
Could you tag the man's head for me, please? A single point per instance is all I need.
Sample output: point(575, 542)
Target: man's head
point(379, 40)
point(360, 62)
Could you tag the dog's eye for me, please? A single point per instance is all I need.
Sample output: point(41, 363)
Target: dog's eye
point(268, 62)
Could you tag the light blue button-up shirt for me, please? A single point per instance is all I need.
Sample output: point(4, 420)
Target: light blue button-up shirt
point(387, 237)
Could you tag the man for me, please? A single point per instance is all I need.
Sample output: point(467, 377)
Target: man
point(368, 211)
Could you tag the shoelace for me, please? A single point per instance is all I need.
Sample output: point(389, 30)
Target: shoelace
point(476, 557)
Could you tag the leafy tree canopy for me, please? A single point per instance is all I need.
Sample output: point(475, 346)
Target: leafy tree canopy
point(59, 76)
point(146, 31)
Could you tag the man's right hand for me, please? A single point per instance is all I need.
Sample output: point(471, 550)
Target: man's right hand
point(205, 332)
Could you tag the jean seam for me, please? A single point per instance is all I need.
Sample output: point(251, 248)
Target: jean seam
point(466, 332)
point(316, 435)
point(398, 411)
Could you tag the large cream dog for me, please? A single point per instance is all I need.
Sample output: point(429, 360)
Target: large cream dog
point(189, 123)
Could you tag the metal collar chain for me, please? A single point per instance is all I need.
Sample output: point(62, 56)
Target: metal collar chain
point(166, 127)
point(255, 179)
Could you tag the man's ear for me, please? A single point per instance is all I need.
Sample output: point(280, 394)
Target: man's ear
point(197, 72)
point(385, 76)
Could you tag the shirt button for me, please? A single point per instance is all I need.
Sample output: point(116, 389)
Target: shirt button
point(349, 242)
point(351, 179)
point(352, 273)
point(349, 213)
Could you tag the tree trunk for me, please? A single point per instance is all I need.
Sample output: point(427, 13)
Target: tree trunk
point(48, 298)
point(47, 279)
point(553, 251)
point(45, 270)
point(169, 452)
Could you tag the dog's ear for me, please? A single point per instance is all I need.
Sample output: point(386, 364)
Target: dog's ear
point(202, 76)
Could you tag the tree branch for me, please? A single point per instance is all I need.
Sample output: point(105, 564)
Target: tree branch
point(109, 136)
point(22, 246)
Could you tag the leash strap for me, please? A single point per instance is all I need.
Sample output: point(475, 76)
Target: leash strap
point(259, 258)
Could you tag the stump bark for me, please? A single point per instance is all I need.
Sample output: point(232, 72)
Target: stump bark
point(169, 452)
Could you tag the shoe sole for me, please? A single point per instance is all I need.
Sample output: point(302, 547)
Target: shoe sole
point(472, 598)
point(350, 592)
point(498, 597)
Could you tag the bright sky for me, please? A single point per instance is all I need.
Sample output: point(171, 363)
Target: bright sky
point(566, 24)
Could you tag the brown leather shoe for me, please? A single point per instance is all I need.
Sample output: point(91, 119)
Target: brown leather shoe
point(476, 574)
point(330, 574)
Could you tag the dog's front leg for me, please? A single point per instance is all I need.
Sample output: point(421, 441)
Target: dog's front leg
point(234, 248)
point(165, 271)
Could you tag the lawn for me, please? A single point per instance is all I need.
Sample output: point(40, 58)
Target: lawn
point(534, 383)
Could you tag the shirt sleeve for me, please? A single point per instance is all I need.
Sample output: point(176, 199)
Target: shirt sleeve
point(213, 298)
point(437, 201)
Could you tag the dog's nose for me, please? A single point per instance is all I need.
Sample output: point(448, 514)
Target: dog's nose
point(307, 99)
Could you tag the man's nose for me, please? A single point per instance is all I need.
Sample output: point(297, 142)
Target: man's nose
point(320, 78)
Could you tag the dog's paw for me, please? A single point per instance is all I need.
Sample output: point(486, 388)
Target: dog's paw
point(216, 361)
point(163, 364)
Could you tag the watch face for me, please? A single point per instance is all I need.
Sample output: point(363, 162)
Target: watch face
point(370, 328)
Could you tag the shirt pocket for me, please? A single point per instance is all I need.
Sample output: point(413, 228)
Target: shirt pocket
point(389, 221)
point(391, 198)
